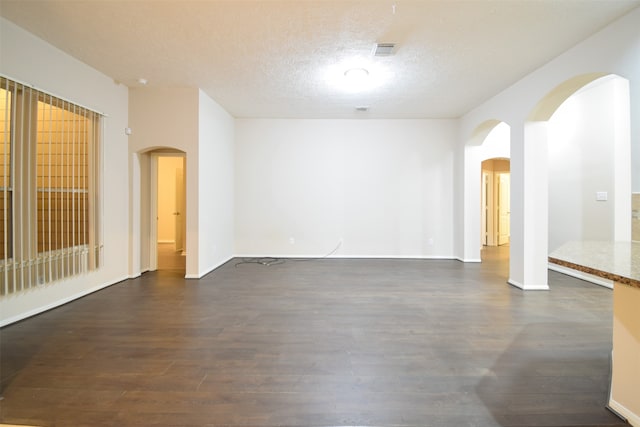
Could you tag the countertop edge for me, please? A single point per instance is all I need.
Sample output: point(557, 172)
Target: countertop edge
point(596, 272)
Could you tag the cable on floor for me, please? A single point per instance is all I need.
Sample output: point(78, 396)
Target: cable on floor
point(269, 261)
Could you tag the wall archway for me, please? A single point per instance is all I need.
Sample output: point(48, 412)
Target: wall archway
point(495, 207)
point(550, 103)
point(535, 173)
point(490, 139)
point(144, 190)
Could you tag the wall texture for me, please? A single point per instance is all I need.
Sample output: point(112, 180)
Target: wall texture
point(377, 187)
point(581, 163)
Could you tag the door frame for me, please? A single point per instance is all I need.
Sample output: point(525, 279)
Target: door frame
point(490, 186)
point(153, 203)
point(499, 207)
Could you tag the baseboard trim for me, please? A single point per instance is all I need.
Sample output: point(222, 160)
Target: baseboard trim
point(580, 275)
point(623, 412)
point(528, 287)
point(59, 302)
point(316, 256)
point(204, 273)
point(468, 259)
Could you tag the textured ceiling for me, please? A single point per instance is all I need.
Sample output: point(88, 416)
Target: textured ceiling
point(286, 59)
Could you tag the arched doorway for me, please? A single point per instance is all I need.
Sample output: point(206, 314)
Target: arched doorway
point(155, 182)
point(495, 207)
point(489, 140)
point(168, 209)
point(534, 182)
point(588, 165)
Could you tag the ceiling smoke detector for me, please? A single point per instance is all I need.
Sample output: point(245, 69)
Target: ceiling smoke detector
point(384, 49)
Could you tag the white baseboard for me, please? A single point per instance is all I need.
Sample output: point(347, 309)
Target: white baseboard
point(528, 287)
point(201, 274)
point(468, 259)
point(59, 302)
point(350, 256)
point(581, 275)
point(632, 418)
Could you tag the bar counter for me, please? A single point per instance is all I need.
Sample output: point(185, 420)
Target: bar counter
point(619, 262)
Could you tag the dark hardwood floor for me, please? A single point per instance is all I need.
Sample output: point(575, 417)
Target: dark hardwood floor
point(331, 342)
point(169, 259)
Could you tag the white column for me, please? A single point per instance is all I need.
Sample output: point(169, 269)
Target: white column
point(472, 190)
point(622, 162)
point(134, 217)
point(529, 206)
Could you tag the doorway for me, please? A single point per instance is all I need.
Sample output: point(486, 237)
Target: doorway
point(496, 188)
point(168, 212)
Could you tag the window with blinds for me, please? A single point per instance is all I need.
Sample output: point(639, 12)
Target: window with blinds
point(49, 170)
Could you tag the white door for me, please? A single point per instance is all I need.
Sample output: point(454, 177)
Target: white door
point(179, 210)
point(504, 208)
point(485, 209)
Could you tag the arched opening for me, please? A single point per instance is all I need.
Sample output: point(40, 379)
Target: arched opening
point(490, 140)
point(584, 135)
point(495, 212)
point(581, 132)
point(163, 216)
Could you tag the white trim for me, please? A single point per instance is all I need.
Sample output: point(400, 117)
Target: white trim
point(153, 211)
point(58, 303)
point(529, 287)
point(468, 260)
point(581, 275)
point(204, 273)
point(633, 419)
point(348, 256)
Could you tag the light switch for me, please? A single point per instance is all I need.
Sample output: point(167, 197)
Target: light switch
point(601, 196)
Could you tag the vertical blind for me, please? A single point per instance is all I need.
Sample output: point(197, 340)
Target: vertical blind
point(49, 170)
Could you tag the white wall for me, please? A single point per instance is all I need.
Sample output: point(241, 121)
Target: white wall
point(186, 119)
point(382, 187)
point(581, 162)
point(615, 50)
point(496, 144)
point(161, 118)
point(33, 61)
point(215, 188)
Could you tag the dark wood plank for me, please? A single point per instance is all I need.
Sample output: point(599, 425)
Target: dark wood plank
point(320, 343)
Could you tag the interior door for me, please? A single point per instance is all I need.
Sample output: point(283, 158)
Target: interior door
point(485, 209)
point(179, 210)
point(504, 208)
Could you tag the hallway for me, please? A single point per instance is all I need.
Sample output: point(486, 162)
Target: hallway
point(169, 259)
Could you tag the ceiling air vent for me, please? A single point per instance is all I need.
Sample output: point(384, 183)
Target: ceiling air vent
point(362, 108)
point(384, 49)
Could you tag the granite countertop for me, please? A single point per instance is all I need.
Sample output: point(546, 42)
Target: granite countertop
point(617, 261)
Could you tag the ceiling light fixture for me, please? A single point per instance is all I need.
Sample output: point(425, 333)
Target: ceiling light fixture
point(356, 74)
point(357, 79)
